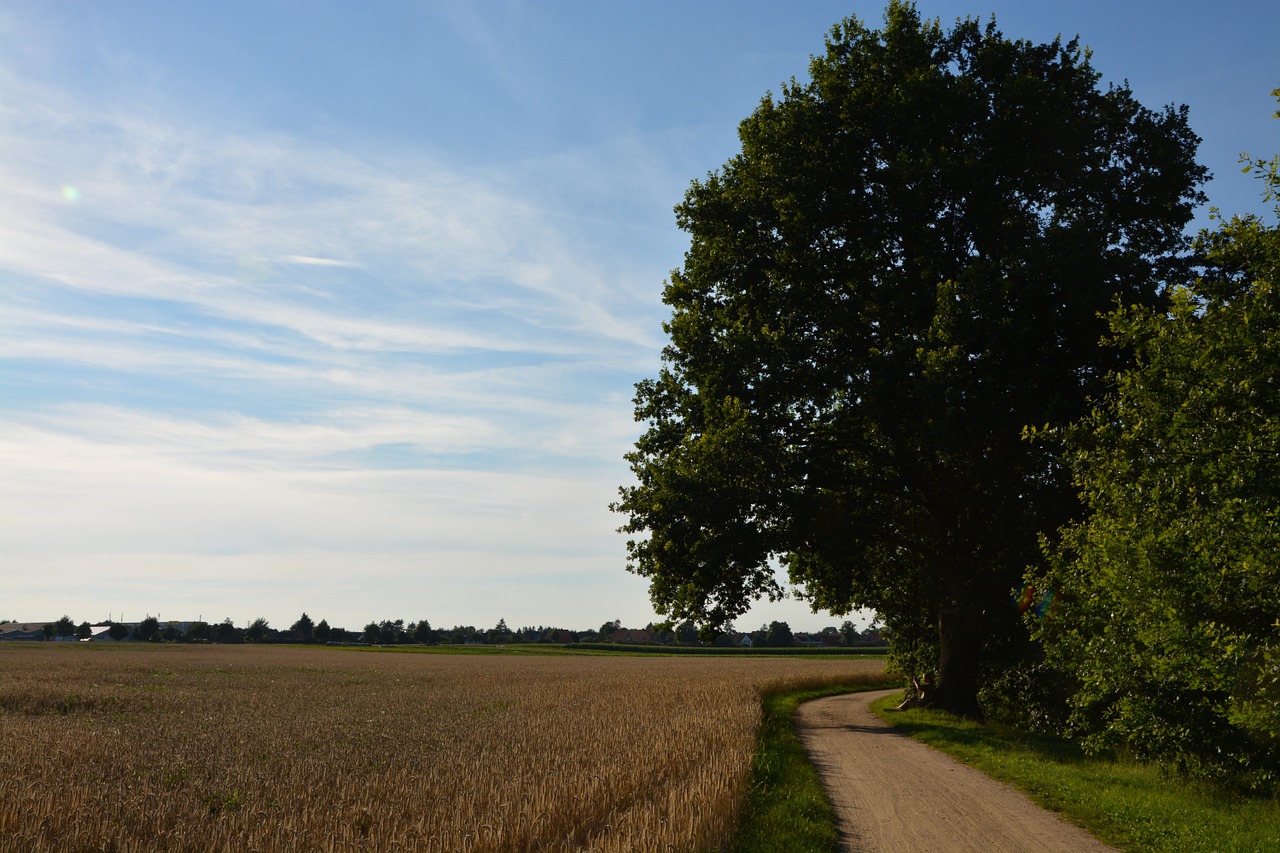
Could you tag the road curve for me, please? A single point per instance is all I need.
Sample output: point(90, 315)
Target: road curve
point(896, 795)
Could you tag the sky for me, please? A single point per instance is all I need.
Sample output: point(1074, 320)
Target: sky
point(338, 307)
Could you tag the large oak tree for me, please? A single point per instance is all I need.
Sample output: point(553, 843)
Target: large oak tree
point(901, 270)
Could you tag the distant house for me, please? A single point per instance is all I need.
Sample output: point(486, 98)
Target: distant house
point(99, 634)
point(29, 631)
point(632, 636)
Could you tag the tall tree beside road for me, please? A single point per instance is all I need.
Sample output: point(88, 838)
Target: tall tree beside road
point(902, 269)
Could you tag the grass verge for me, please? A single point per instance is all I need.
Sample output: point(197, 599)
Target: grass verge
point(786, 810)
point(1129, 804)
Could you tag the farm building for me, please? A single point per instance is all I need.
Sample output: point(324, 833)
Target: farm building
point(22, 630)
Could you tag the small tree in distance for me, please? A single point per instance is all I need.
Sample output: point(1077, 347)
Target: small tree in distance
point(304, 629)
point(779, 635)
point(148, 630)
point(499, 633)
point(848, 633)
point(257, 630)
point(227, 632)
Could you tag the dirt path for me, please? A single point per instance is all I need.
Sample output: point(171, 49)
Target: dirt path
point(895, 795)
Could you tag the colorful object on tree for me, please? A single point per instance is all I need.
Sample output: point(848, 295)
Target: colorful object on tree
point(1042, 603)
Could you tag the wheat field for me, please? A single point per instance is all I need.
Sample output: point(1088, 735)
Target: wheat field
point(243, 748)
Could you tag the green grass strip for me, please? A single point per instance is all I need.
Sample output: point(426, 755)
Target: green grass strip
point(1129, 804)
point(786, 810)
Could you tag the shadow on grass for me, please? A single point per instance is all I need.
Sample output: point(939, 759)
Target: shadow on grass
point(940, 728)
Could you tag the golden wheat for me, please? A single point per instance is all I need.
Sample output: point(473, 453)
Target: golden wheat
point(187, 748)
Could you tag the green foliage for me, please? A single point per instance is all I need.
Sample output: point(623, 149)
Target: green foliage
point(1168, 592)
point(226, 632)
point(500, 633)
point(391, 631)
point(779, 635)
point(149, 630)
point(848, 633)
point(304, 629)
point(220, 803)
point(902, 268)
point(257, 630)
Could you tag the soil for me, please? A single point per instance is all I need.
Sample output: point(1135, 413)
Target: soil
point(896, 795)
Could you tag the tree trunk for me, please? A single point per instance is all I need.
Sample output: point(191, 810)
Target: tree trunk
point(959, 644)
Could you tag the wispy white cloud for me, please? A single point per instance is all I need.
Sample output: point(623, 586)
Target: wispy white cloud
point(306, 260)
point(288, 444)
point(180, 214)
point(65, 492)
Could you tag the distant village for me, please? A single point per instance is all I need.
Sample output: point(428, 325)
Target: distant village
point(397, 632)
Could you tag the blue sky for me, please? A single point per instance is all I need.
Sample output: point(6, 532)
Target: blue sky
point(338, 307)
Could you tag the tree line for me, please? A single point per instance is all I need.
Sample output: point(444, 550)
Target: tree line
point(941, 347)
point(776, 634)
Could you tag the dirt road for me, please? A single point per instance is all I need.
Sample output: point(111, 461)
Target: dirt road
point(895, 795)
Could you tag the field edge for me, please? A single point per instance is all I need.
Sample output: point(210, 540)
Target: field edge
point(787, 810)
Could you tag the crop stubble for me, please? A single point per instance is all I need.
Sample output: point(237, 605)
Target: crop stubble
point(190, 748)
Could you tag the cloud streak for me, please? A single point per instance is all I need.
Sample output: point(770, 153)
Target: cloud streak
point(180, 214)
point(316, 262)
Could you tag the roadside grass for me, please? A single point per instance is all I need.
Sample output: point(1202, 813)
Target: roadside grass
point(786, 810)
point(1129, 804)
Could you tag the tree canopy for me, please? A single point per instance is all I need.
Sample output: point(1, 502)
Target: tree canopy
point(902, 269)
point(257, 630)
point(1168, 592)
point(304, 629)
